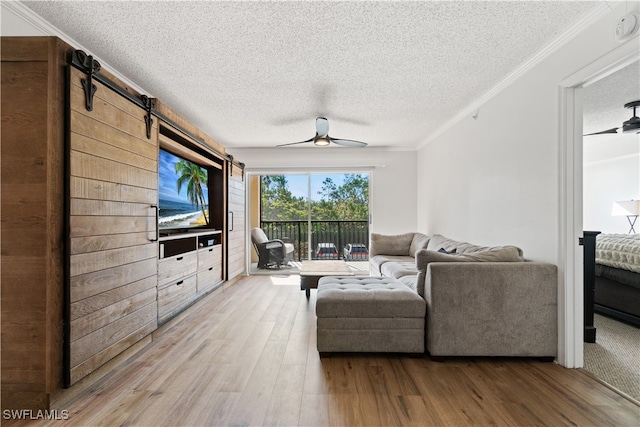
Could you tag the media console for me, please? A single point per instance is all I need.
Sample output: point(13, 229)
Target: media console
point(189, 266)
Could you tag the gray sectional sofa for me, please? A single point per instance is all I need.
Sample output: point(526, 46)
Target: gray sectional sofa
point(480, 301)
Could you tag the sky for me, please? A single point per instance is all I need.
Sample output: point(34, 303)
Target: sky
point(298, 183)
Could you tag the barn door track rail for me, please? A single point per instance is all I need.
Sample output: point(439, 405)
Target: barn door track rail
point(91, 67)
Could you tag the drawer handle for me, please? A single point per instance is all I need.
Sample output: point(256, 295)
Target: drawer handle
point(180, 283)
point(179, 258)
point(210, 268)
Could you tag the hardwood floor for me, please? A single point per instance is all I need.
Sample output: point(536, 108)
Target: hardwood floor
point(246, 355)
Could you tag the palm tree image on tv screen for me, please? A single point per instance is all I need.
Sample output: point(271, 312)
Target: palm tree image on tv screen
point(182, 193)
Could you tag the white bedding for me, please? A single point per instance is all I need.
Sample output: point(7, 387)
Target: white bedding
point(619, 251)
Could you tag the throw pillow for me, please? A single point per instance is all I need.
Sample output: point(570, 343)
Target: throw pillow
point(506, 254)
point(444, 251)
point(382, 244)
point(419, 241)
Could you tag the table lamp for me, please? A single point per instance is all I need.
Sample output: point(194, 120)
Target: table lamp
point(628, 208)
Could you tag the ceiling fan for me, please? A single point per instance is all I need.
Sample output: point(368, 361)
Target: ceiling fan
point(322, 138)
point(630, 126)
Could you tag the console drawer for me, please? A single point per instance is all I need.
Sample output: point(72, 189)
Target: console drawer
point(209, 257)
point(209, 277)
point(175, 296)
point(176, 267)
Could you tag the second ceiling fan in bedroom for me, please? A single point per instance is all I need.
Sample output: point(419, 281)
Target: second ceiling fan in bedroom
point(630, 126)
point(322, 138)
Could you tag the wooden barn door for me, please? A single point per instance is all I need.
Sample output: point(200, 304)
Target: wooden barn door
point(113, 254)
point(236, 222)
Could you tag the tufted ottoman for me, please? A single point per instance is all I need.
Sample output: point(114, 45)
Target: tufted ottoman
point(369, 314)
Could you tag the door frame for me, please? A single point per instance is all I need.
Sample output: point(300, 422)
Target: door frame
point(570, 158)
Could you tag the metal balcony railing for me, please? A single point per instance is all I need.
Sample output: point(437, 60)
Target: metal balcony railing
point(339, 233)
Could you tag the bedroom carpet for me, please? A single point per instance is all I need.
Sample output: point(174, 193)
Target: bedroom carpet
point(615, 356)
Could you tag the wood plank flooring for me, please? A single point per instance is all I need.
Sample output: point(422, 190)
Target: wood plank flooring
point(246, 355)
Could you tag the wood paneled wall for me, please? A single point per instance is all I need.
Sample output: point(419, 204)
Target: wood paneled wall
point(32, 203)
point(113, 169)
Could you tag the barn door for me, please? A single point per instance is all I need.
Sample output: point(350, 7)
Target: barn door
point(235, 222)
point(112, 194)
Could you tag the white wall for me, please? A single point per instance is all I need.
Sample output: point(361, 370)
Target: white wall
point(393, 176)
point(15, 24)
point(611, 173)
point(495, 179)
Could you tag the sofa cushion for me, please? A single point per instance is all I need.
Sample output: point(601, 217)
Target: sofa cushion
point(502, 254)
point(438, 241)
point(468, 248)
point(412, 282)
point(397, 269)
point(377, 261)
point(382, 244)
point(258, 236)
point(419, 241)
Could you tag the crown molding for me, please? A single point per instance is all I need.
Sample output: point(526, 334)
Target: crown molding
point(38, 23)
point(472, 109)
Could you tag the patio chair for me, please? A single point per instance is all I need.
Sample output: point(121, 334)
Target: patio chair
point(271, 253)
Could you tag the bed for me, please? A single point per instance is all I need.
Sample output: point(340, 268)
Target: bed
point(617, 276)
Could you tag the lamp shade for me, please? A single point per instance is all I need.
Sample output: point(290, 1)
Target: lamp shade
point(626, 207)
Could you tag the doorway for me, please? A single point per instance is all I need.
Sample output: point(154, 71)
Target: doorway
point(611, 176)
point(570, 283)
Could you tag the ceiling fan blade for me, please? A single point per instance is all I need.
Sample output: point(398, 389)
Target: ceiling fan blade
point(602, 132)
point(295, 143)
point(322, 126)
point(348, 142)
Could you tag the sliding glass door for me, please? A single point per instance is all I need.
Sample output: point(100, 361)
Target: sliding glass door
point(320, 213)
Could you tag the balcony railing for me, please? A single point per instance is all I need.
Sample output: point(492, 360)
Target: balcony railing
point(340, 233)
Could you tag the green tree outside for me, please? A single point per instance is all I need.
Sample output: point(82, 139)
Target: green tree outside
point(194, 177)
point(348, 201)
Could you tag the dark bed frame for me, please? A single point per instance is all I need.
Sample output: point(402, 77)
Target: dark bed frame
point(617, 300)
point(604, 295)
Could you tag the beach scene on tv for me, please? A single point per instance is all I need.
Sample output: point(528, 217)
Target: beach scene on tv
point(182, 192)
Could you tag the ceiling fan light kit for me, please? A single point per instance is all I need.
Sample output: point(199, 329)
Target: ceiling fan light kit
point(321, 141)
point(322, 138)
point(633, 124)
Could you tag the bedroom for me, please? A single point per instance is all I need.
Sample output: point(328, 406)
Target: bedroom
point(611, 168)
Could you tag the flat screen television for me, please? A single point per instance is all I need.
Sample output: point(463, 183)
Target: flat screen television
point(183, 193)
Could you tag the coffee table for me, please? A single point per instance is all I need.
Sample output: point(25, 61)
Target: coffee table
point(312, 270)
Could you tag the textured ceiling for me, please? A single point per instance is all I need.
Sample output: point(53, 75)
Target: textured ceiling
point(256, 74)
point(604, 100)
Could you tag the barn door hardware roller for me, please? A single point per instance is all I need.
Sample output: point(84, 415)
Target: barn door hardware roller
point(88, 65)
point(91, 67)
point(149, 103)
